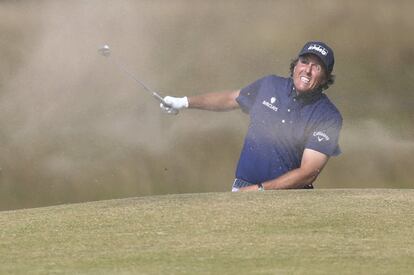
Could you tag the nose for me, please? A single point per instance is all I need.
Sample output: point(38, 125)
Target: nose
point(308, 68)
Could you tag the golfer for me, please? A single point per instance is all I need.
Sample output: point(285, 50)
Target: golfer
point(294, 127)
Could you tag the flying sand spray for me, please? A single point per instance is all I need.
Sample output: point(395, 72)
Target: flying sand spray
point(106, 52)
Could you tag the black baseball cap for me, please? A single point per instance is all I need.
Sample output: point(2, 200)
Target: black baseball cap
point(323, 51)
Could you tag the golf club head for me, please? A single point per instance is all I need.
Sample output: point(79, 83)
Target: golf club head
point(104, 50)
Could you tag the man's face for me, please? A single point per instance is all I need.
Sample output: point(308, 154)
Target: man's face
point(308, 74)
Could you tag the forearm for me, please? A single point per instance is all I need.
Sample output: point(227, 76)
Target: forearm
point(295, 179)
point(218, 101)
point(311, 166)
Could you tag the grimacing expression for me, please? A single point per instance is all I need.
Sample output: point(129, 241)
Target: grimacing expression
point(309, 73)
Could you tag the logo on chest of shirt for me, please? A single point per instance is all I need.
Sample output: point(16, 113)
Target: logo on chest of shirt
point(270, 104)
point(321, 136)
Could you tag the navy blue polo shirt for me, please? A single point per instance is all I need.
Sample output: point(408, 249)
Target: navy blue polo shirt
point(282, 125)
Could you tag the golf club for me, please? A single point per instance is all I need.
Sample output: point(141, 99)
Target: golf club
point(105, 51)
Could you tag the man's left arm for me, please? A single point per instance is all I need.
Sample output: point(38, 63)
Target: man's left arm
point(311, 165)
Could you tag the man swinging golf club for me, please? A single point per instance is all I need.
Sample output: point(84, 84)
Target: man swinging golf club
point(294, 127)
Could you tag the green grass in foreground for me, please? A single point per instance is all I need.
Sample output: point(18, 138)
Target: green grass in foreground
point(302, 232)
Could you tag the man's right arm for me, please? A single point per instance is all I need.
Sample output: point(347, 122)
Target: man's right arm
point(218, 101)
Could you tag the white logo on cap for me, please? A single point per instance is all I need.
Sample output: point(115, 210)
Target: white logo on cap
point(318, 48)
point(273, 100)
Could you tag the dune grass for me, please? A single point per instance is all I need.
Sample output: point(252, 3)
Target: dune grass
point(326, 231)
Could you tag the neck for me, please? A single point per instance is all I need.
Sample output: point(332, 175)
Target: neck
point(308, 93)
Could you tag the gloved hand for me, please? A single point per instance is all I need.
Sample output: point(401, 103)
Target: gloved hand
point(174, 104)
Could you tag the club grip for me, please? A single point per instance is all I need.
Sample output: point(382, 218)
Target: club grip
point(161, 99)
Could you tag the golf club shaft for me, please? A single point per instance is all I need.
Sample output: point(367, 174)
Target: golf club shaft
point(154, 94)
point(106, 52)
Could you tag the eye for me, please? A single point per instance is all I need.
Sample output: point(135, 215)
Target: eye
point(303, 60)
point(318, 67)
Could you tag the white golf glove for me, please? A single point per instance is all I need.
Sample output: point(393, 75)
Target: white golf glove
point(174, 104)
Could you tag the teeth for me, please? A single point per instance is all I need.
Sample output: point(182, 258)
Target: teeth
point(305, 79)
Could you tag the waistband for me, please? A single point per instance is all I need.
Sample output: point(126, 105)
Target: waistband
point(239, 183)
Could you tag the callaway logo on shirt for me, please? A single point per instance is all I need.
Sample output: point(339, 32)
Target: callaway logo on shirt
point(321, 136)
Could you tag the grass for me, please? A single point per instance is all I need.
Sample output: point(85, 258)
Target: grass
point(326, 231)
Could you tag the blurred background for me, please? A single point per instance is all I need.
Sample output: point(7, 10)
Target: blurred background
point(74, 128)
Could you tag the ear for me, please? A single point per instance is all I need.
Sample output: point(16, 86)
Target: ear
point(324, 80)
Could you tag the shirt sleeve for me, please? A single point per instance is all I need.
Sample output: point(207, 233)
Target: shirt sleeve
point(248, 95)
point(325, 137)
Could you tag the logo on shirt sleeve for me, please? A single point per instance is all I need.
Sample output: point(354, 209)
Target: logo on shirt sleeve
point(321, 136)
